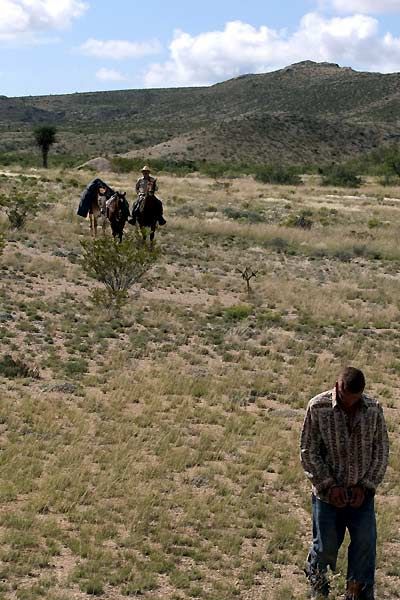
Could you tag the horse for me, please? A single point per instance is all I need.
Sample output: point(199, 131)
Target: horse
point(147, 212)
point(97, 215)
point(117, 213)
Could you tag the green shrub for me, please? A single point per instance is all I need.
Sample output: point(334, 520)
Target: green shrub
point(278, 174)
point(118, 266)
point(76, 367)
point(340, 176)
point(124, 165)
point(374, 222)
point(303, 220)
point(280, 245)
point(243, 215)
point(237, 312)
point(389, 180)
point(20, 208)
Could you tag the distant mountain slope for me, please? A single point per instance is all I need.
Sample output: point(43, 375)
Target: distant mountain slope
point(306, 112)
point(269, 138)
point(15, 110)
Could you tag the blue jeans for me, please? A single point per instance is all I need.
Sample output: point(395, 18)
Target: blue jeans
point(329, 527)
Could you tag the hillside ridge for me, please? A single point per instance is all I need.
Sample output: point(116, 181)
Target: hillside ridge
point(237, 119)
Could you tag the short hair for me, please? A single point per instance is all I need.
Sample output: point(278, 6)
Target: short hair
point(353, 380)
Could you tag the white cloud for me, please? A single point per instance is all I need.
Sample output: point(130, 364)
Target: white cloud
point(119, 49)
point(241, 48)
point(366, 6)
point(105, 74)
point(26, 17)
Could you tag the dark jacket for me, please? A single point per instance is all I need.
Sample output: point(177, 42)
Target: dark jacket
point(90, 194)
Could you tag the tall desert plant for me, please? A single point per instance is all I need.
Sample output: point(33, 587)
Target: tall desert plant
point(45, 136)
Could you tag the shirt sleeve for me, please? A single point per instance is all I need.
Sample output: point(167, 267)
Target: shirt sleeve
point(311, 456)
point(137, 186)
point(155, 185)
point(380, 454)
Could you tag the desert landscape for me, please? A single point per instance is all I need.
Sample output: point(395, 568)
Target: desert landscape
point(154, 453)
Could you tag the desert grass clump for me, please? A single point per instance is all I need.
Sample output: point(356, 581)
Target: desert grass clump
point(11, 368)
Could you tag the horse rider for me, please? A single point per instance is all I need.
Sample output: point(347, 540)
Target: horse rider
point(146, 184)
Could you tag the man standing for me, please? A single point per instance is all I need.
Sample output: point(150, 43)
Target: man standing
point(344, 452)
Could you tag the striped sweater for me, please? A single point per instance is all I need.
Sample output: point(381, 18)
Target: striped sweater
point(335, 451)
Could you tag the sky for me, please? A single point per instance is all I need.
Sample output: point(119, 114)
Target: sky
point(67, 46)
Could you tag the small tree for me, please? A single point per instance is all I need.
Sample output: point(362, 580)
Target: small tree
point(118, 266)
point(247, 274)
point(19, 208)
point(45, 136)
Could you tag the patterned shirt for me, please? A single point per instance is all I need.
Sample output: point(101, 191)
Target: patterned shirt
point(340, 450)
point(143, 185)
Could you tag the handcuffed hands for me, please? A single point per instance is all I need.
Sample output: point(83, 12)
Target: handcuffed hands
point(340, 497)
point(357, 496)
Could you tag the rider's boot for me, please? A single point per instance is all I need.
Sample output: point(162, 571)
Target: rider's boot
point(358, 591)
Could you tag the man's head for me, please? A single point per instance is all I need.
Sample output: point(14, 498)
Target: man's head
point(146, 171)
point(350, 385)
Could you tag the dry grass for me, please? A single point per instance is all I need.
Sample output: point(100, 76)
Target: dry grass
point(157, 456)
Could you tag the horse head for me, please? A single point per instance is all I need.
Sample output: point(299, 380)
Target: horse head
point(115, 204)
point(117, 212)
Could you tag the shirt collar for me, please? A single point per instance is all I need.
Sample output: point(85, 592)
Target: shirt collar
point(335, 403)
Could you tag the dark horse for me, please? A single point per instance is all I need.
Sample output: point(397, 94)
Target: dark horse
point(147, 212)
point(118, 213)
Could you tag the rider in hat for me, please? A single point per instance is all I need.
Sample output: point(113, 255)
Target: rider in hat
point(146, 184)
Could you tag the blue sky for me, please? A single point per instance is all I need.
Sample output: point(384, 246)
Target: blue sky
point(62, 46)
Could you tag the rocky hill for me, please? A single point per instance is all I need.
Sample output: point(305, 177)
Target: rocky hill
point(307, 112)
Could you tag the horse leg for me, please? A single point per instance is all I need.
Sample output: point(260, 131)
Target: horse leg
point(152, 233)
point(95, 225)
point(113, 229)
point(91, 224)
point(144, 233)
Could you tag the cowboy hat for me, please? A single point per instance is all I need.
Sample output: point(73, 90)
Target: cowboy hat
point(146, 168)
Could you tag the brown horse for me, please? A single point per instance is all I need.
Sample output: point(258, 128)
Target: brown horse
point(97, 214)
point(118, 213)
point(147, 212)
